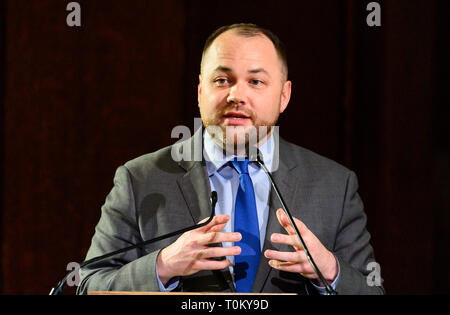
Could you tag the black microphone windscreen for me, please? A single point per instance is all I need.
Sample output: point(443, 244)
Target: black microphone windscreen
point(213, 197)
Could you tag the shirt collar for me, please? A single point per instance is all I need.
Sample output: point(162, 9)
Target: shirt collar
point(216, 159)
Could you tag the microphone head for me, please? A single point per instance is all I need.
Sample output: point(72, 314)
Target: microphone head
point(213, 197)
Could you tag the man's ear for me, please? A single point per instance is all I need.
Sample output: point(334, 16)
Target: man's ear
point(199, 87)
point(285, 95)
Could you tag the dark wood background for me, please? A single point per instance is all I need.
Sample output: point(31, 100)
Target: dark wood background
point(76, 103)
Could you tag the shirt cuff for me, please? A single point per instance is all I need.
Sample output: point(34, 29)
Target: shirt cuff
point(171, 284)
point(322, 290)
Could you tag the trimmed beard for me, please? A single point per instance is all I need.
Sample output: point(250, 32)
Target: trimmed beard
point(237, 139)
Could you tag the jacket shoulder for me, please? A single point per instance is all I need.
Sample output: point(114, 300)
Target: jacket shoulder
point(312, 162)
point(151, 164)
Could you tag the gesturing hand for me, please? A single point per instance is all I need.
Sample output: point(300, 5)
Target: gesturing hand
point(297, 261)
point(190, 253)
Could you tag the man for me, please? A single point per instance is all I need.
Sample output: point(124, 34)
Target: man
point(249, 246)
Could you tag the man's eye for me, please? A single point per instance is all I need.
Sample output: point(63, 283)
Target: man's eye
point(221, 81)
point(256, 82)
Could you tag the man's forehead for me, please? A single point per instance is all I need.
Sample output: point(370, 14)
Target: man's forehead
point(230, 46)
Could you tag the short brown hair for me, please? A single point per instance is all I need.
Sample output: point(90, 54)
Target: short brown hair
point(251, 30)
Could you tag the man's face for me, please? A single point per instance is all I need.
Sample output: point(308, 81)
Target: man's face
point(241, 87)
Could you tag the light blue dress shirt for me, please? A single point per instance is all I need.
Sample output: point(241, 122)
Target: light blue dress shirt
point(224, 179)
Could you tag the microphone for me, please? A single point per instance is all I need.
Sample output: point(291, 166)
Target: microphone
point(58, 289)
point(255, 156)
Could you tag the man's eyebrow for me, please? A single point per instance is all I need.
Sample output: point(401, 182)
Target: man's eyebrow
point(227, 69)
point(223, 69)
point(258, 70)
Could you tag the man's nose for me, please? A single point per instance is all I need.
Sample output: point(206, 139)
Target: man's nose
point(237, 94)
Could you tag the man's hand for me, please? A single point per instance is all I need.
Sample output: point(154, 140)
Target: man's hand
point(297, 261)
point(190, 253)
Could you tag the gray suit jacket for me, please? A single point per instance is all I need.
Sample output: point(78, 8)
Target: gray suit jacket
point(153, 195)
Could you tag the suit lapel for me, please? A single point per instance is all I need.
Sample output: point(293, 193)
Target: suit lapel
point(287, 185)
point(196, 192)
point(194, 184)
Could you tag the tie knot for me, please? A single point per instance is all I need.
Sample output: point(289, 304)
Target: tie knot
point(241, 166)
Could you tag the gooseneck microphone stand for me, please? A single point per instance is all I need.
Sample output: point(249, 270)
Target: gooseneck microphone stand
point(259, 159)
point(58, 289)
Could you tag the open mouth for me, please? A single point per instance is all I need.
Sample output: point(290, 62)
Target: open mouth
point(236, 119)
point(236, 115)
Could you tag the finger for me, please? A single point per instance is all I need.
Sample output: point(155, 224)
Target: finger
point(217, 228)
point(218, 219)
point(286, 239)
point(219, 237)
point(210, 264)
point(285, 266)
point(285, 222)
point(213, 252)
point(295, 257)
point(302, 269)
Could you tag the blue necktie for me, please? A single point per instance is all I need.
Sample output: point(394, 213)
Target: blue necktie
point(246, 223)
